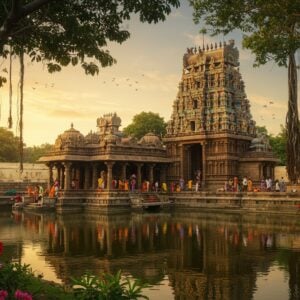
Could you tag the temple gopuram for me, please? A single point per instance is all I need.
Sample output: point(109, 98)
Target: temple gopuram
point(211, 134)
point(211, 131)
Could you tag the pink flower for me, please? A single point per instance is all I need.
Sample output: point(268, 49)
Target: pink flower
point(1, 248)
point(22, 295)
point(3, 294)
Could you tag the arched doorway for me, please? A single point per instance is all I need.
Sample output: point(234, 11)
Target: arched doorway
point(194, 160)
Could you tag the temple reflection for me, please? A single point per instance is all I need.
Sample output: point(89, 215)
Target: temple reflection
point(203, 255)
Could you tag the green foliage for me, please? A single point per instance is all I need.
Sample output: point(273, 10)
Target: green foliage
point(269, 26)
point(14, 276)
point(32, 154)
point(144, 123)
point(108, 287)
point(261, 129)
point(72, 32)
point(9, 146)
point(278, 144)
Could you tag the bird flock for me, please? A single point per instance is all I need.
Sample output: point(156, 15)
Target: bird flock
point(266, 106)
point(127, 82)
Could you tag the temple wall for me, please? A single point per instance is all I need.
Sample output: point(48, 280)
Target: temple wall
point(280, 171)
point(31, 172)
point(251, 170)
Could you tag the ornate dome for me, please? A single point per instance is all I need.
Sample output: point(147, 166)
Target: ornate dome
point(92, 138)
point(111, 139)
point(70, 137)
point(150, 139)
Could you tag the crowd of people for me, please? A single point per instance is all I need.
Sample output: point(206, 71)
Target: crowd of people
point(246, 185)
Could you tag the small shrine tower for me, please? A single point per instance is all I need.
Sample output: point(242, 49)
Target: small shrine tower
point(211, 126)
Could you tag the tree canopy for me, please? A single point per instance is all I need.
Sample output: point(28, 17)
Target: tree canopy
point(9, 146)
point(69, 32)
point(144, 123)
point(277, 142)
point(61, 33)
point(272, 32)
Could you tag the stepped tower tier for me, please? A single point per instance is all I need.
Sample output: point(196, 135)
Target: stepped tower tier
point(211, 97)
point(211, 126)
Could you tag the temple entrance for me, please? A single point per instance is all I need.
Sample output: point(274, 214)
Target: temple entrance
point(194, 159)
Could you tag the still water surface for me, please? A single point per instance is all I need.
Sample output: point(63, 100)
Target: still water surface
point(182, 255)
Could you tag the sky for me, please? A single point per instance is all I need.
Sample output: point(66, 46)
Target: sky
point(145, 78)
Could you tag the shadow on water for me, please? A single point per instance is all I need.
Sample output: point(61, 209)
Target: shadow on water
point(182, 254)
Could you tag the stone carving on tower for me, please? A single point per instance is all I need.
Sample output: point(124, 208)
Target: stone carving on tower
point(211, 96)
point(211, 127)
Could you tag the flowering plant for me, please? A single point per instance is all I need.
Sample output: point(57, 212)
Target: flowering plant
point(13, 277)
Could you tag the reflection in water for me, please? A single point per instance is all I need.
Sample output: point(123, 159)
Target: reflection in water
point(183, 255)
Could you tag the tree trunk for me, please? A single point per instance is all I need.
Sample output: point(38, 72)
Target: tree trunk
point(292, 124)
point(21, 144)
point(10, 89)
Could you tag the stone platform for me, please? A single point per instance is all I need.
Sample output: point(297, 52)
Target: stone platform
point(285, 202)
point(121, 201)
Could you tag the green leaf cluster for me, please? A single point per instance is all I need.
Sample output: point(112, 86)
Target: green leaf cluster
point(144, 123)
point(32, 154)
point(9, 146)
point(107, 287)
point(277, 142)
point(72, 32)
point(271, 28)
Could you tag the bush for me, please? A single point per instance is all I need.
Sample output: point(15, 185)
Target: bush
point(107, 287)
point(19, 282)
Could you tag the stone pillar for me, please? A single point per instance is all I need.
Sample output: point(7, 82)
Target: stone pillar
point(203, 163)
point(86, 177)
point(181, 149)
point(50, 179)
point(94, 176)
point(124, 166)
point(67, 181)
point(163, 173)
point(60, 176)
point(109, 166)
point(139, 175)
point(151, 166)
point(272, 171)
